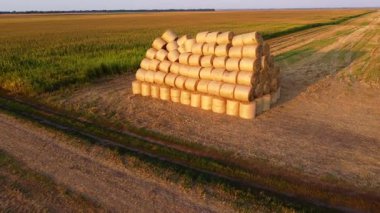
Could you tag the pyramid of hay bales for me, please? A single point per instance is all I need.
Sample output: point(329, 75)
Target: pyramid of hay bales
point(220, 72)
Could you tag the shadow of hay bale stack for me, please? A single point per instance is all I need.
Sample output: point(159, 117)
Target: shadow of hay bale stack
point(217, 71)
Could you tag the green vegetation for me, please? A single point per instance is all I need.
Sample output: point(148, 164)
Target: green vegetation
point(42, 53)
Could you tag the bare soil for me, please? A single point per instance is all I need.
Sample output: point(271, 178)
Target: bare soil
point(323, 125)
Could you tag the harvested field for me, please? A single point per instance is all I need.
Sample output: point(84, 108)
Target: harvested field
point(325, 125)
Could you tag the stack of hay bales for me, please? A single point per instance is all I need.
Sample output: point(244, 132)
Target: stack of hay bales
point(216, 71)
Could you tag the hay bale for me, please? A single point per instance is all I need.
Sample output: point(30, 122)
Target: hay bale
point(181, 41)
point(164, 93)
point(217, 74)
point(195, 100)
point(140, 74)
point(201, 37)
point(172, 46)
point(250, 64)
point(162, 55)
point(191, 84)
point(213, 88)
point(209, 49)
point(145, 64)
point(159, 43)
point(227, 90)
point(173, 56)
point(246, 78)
point(222, 50)
point(136, 87)
point(243, 93)
point(233, 64)
point(237, 40)
point(232, 108)
point(164, 66)
point(218, 105)
point(265, 63)
point(202, 86)
point(180, 82)
point(153, 66)
point(145, 89)
point(252, 38)
point(170, 79)
point(206, 61)
point(198, 48)
point(266, 87)
point(220, 62)
point(155, 91)
point(159, 77)
point(181, 49)
point(247, 110)
point(185, 97)
point(149, 76)
point(205, 73)
point(259, 90)
point(184, 70)
point(265, 49)
point(174, 68)
point(151, 53)
point(252, 51)
point(184, 58)
point(212, 37)
point(236, 52)
point(194, 72)
point(206, 102)
point(266, 102)
point(230, 77)
point(169, 36)
point(195, 60)
point(189, 45)
point(175, 95)
point(225, 38)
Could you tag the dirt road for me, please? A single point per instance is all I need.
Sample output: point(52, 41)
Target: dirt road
point(323, 126)
point(116, 188)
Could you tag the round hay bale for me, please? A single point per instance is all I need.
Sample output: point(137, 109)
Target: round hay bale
point(184, 58)
point(153, 66)
point(266, 102)
point(172, 46)
point(227, 90)
point(159, 77)
point(145, 89)
point(189, 44)
point(209, 49)
point(191, 84)
point(181, 49)
point(151, 53)
point(155, 91)
point(265, 63)
point(222, 50)
point(170, 79)
point(195, 100)
point(232, 108)
point(185, 97)
point(212, 37)
point(225, 38)
point(169, 36)
point(217, 74)
point(136, 87)
point(259, 90)
point(206, 61)
point(237, 40)
point(175, 95)
point(243, 93)
point(164, 93)
point(230, 77)
point(245, 78)
point(206, 102)
point(205, 73)
point(202, 86)
point(184, 70)
point(140, 74)
point(247, 110)
point(233, 64)
point(194, 72)
point(250, 64)
point(174, 68)
point(201, 37)
point(162, 55)
point(220, 62)
point(252, 51)
point(159, 43)
point(252, 38)
point(149, 76)
point(198, 48)
point(218, 105)
point(164, 66)
point(195, 60)
point(236, 52)
point(181, 41)
point(173, 56)
point(145, 64)
point(213, 88)
point(180, 82)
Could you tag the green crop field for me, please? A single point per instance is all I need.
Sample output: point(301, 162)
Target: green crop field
point(42, 53)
